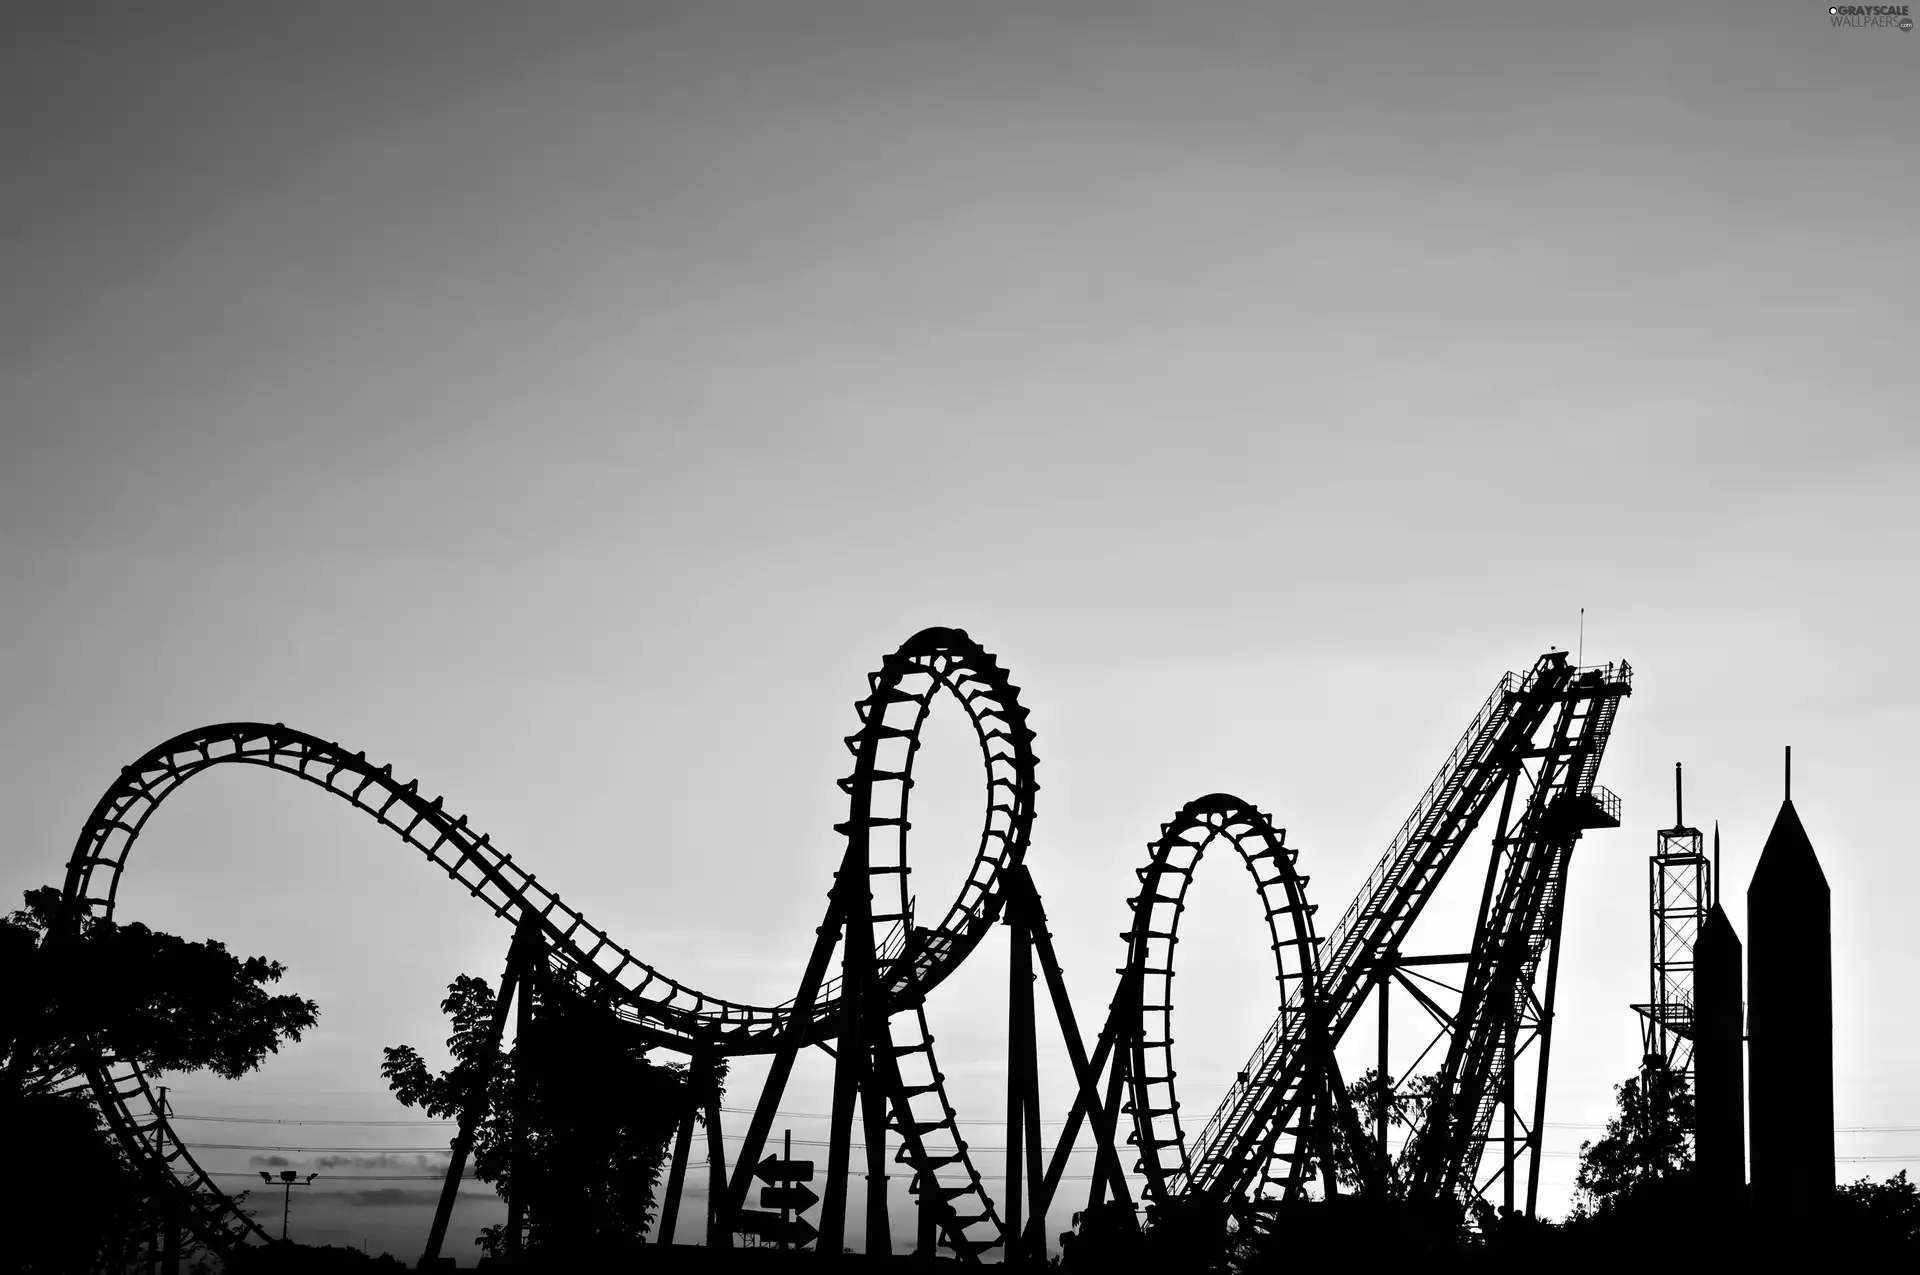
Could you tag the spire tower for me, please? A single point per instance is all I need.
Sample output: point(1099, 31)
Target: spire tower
point(1790, 1028)
point(1720, 1101)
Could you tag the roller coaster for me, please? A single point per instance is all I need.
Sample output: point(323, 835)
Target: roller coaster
point(1530, 756)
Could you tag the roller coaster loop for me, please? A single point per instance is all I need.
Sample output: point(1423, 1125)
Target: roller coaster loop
point(1534, 747)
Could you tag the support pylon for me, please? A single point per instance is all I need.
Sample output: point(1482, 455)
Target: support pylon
point(522, 961)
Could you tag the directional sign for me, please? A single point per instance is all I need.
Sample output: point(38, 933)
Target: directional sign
point(782, 1174)
point(775, 1229)
point(797, 1198)
point(796, 1232)
point(773, 1170)
point(754, 1222)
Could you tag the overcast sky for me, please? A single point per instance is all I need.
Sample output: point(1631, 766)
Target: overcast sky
point(570, 405)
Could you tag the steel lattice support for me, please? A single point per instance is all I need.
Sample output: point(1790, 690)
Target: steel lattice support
point(1680, 893)
point(1532, 751)
point(1548, 801)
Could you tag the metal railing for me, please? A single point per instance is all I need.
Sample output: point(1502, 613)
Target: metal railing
point(1332, 948)
point(1611, 673)
point(1259, 1062)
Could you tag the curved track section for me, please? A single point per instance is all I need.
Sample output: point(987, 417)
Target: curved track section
point(674, 1014)
point(913, 959)
point(1164, 1153)
point(668, 1013)
point(132, 1110)
point(1258, 1139)
point(969, 1223)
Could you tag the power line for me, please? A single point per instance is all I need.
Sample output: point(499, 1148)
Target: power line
point(1842, 1128)
point(466, 1177)
point(254, 1146)
point(436, 1124)
point(858, 1146)
point(441, 1150)
point(809, 1115)
point(1878, 1159)
point(358, 1177)
point(412, 1124)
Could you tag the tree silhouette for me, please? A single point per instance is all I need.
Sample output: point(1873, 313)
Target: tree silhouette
point(1405, 1107)
point(1880, 1218)
point(1648, 1146)
point(152, 998)
point(68, 990)
point(573, 1121)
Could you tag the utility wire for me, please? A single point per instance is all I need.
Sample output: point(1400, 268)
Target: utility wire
point(729, 1137)
point(811, 1115)
point(356, 1177)
point(857, 1146)
point(411, 1124)
point(426, 1124)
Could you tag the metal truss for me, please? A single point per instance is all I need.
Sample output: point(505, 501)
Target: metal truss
point(1548, 799)
point(862, 998)
point(1680, 893)
point(1534, 747)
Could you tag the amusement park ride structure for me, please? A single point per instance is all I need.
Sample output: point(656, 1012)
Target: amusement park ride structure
point(1681, 888)
point(1529, 757)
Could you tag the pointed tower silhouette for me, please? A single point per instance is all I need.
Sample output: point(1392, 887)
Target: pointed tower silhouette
point(1790, 1029)
point(1720, 1100)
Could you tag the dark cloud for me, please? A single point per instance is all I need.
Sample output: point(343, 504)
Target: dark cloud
point(386, 1163)
point(424, 1165)
point(389, 1197)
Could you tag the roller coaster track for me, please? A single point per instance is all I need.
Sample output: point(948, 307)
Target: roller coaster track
point(1490, 754)
point(1151, 940)
point(666, 1012)
point(871, 1014)
point(1522, 917)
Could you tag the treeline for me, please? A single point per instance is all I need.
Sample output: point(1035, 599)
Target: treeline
point(1637, 1199)
point(579, 1169)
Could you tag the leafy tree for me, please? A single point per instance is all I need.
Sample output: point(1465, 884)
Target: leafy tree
point(64, 1152)
point(572, 1123)
point(68, 991)
point(1103, 1238)
point(151, 998)
point(1405, 1106)
point(1650, 1142)
point(1184, 1232)
point(1879, 1217)
point(311, 1259)
point(1346, 1232)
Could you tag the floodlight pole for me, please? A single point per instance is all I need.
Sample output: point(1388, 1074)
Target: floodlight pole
point(289, 1179)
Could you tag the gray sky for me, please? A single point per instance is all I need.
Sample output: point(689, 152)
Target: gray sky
point(571, 404)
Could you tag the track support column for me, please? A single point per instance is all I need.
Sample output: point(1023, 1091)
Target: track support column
point(522, 953)
point(719, 1219)
point(676, 1177)
point(1023, 1099)
point(1383, 980)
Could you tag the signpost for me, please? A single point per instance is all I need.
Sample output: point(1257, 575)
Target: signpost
point(795, 1198)
point(782, 1175)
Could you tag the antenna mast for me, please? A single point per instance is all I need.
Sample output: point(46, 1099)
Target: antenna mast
point(1680, 889)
